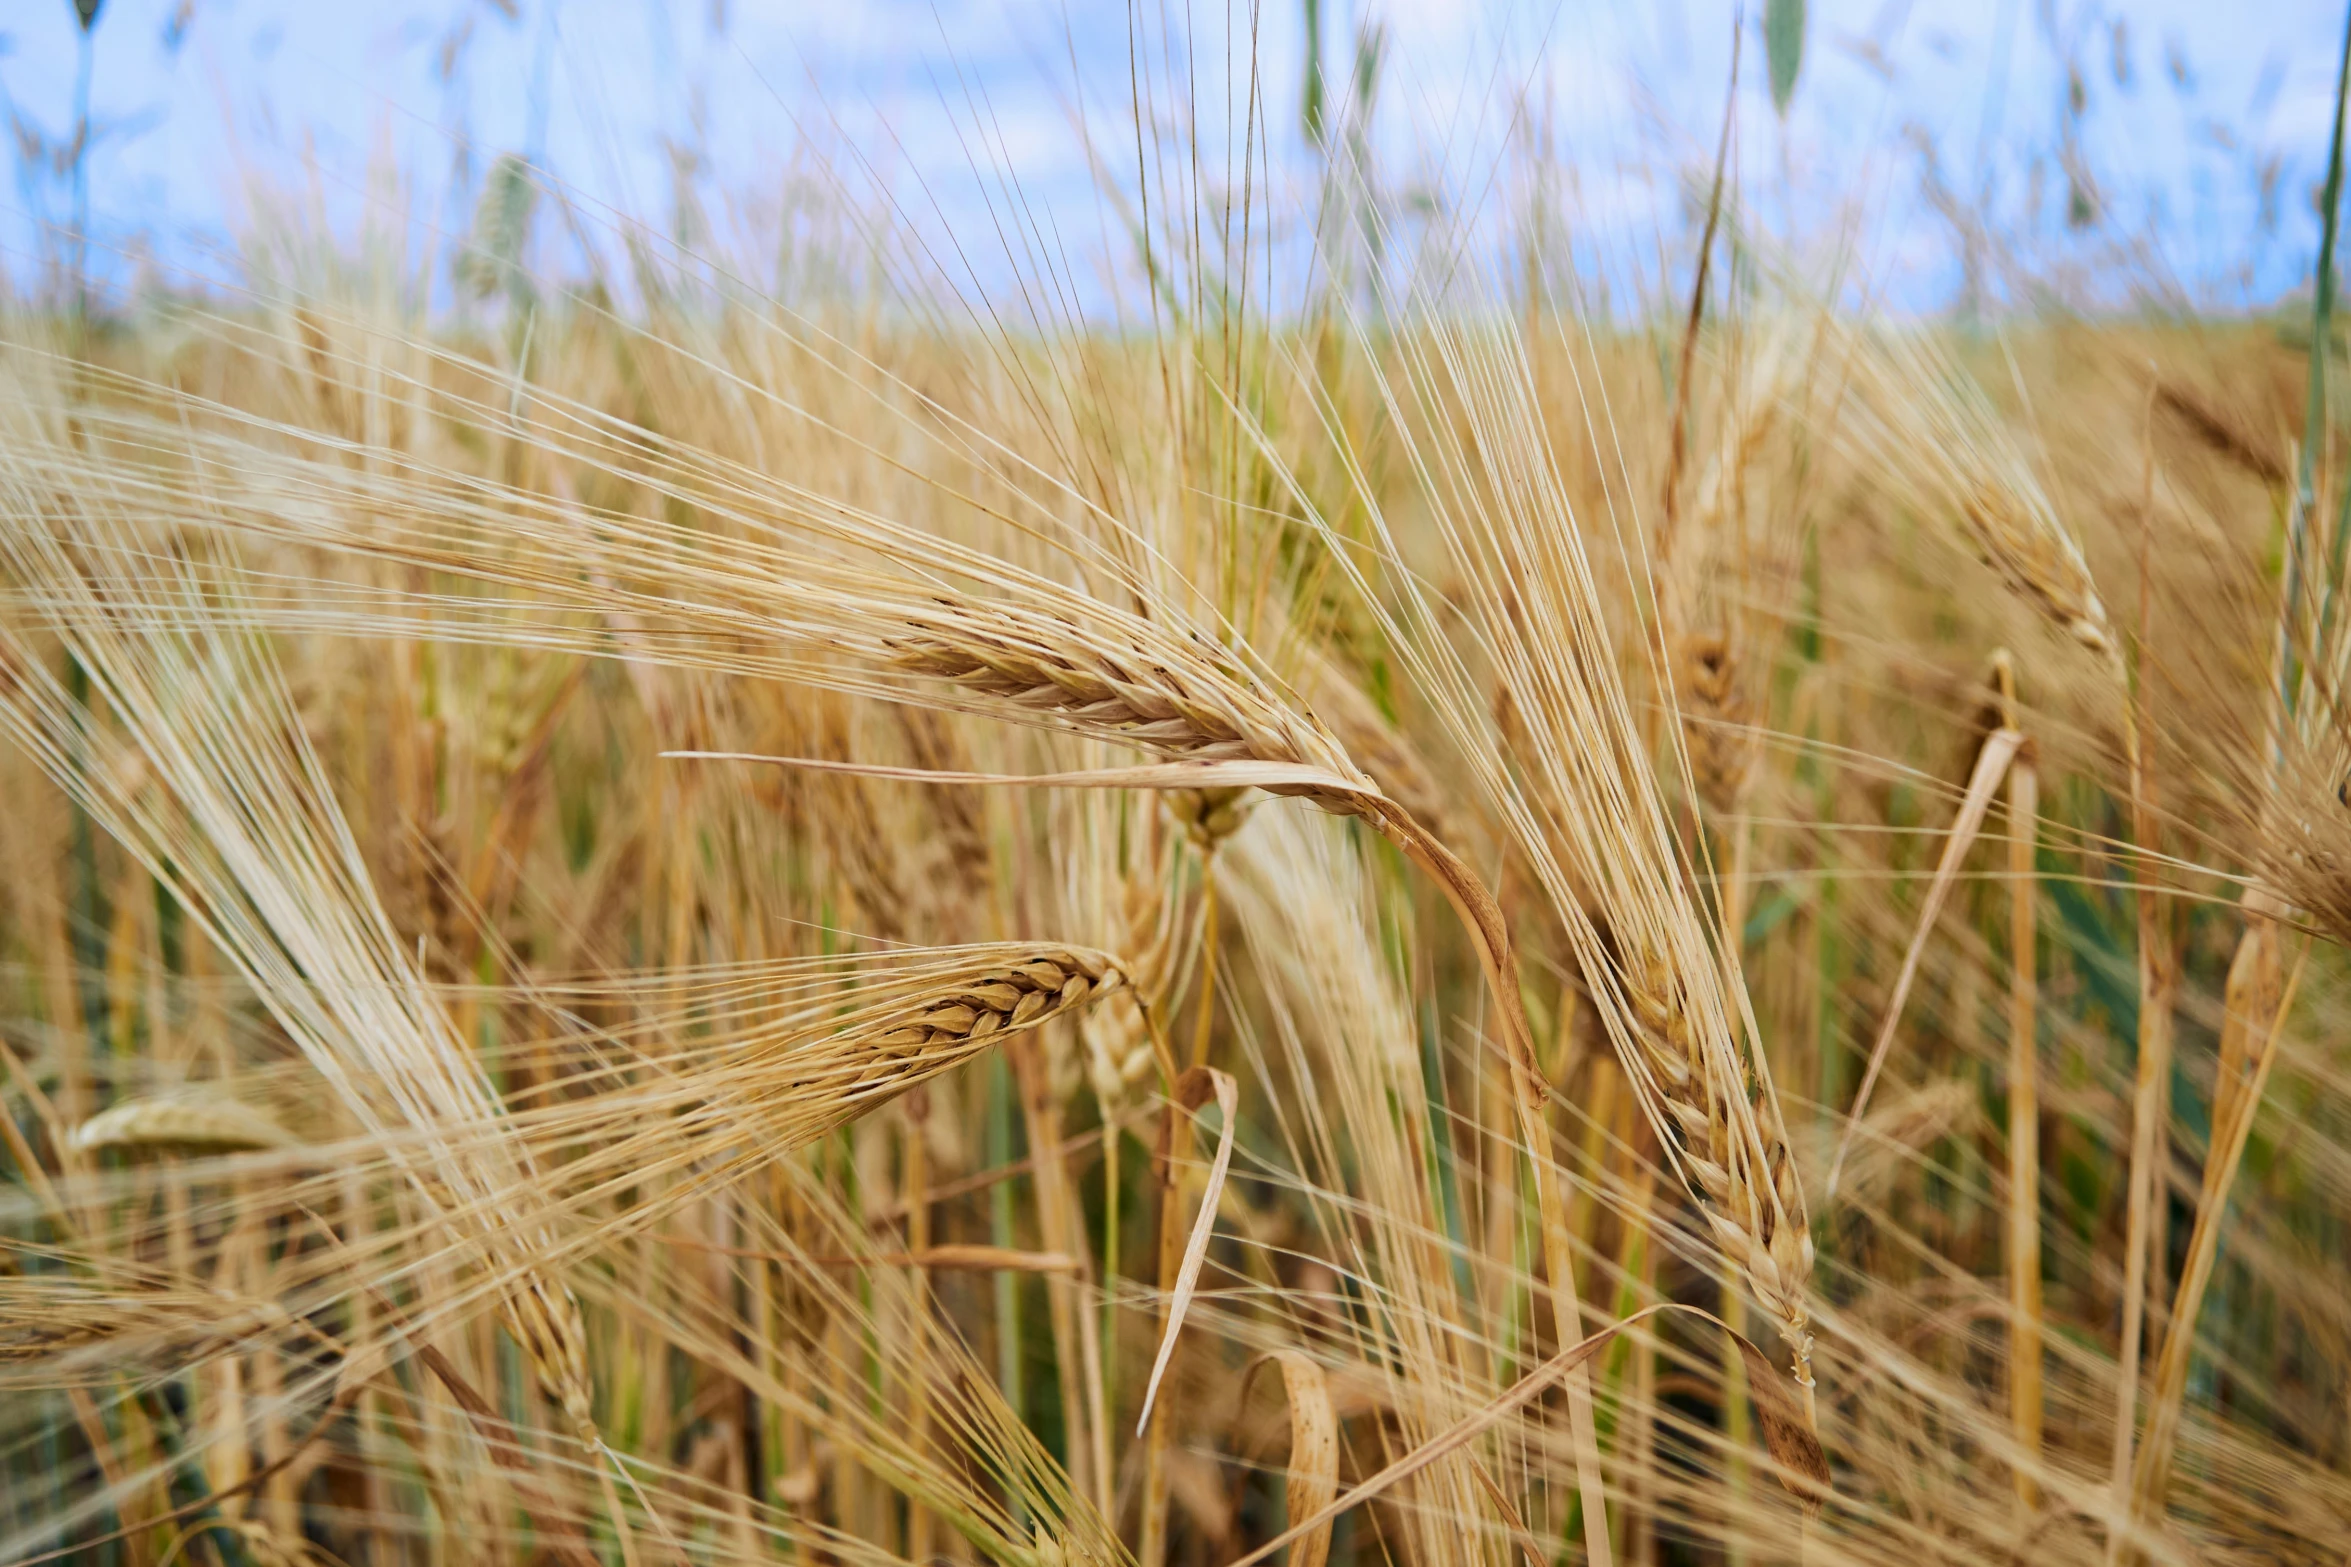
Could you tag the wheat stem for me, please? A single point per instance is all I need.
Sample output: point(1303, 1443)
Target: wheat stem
point(2024, 1119)
point(2149, 1129)
point(915, 1173)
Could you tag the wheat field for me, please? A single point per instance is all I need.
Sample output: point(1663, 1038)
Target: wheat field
point(1375, 914)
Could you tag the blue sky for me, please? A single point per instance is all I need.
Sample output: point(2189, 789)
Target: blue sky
point(2201, 128)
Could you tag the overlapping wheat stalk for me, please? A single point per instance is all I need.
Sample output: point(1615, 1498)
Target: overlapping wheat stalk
point(1581, 801)
point(247, 834)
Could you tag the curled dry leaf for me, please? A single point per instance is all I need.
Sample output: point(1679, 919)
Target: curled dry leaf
point(1313, 1474)
point(1787, 1435)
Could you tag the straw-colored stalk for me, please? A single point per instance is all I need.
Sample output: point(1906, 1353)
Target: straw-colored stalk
point(915, 1177)
point(2024, 1114)
point(2151, 1096)
point(1076, 1342)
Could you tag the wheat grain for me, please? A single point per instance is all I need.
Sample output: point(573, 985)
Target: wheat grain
point(1717, 721)
point(2020, 538)
point(2221, 432)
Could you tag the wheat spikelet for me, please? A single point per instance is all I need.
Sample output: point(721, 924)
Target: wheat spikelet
point(964, 1015)
point(1116, 1035)
point(1719, 601)
point(1900, 1131)
point(2256, 978)
point(2017, 534)
point(756, 1083)
point(492, 260)
point(544, 1317)
point(2221, 432)
point(1208, 816)
point(1716, 719)
point(1183, 697)
point(958, 823)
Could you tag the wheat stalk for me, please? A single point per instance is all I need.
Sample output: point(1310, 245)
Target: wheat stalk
point(2025, 1305)
point(2258, 998)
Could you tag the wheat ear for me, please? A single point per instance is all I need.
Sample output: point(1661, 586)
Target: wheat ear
point(1186, 698)
point(1935, 437)
point(194, 1123)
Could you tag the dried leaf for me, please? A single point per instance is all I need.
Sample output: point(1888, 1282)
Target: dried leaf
point(1191, 1090)
point(1991, 765)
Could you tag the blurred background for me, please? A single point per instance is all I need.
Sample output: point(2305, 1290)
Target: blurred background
point(1993, 153)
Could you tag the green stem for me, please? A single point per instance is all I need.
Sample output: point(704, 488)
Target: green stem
point(90, 915)
point(1000, 1154)
point(1110, 1226)
point(2314, 403)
